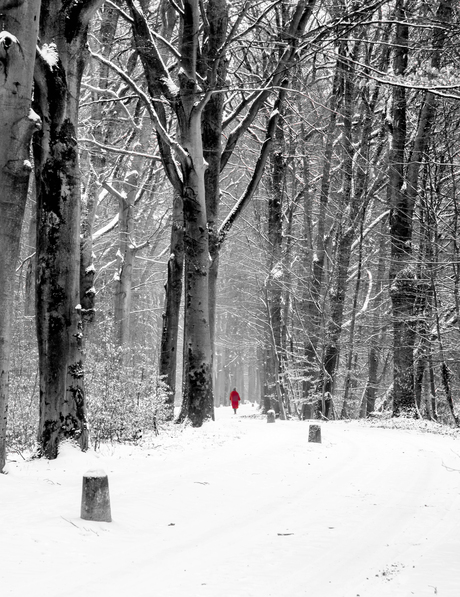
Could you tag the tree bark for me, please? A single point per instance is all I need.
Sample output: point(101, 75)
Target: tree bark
point(370, 393)
point(402, 277)
point(197, 399)
point(126, 252)
point(171, 314)
point(217, 19)
point(87, 268)
point(198, 403)
point(17, 123)
point(29, 290)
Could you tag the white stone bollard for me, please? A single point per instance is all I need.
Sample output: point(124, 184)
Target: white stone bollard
point(270, 416)
point(314, 434)
point(95, 499)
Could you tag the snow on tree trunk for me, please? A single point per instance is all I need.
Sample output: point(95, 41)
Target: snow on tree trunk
point(17, 122)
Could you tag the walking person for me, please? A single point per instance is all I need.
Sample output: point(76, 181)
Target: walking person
point(234, 399)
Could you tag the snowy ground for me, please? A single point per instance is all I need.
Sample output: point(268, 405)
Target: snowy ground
point(241, 508)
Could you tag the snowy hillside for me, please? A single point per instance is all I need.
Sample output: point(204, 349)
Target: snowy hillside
point(241, 508)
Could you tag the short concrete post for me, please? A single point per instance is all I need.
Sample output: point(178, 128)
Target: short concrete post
point(270, 416)
point(95, 499)
point(314, 434)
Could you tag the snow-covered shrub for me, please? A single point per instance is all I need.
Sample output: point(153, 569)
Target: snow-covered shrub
point(22, 420)
point(125, 397)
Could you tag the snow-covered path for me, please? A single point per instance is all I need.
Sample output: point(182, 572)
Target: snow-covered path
point(241, 509)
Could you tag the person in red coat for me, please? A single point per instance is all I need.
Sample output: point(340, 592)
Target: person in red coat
point(234, 399)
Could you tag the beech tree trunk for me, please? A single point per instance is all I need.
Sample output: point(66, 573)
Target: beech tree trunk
point(197, 403)
point(171, 314)
point(349, 204)
point(402, 276)
point(197, 398)
point(375, 345)
point(63, 34)
point(126, 253)
point(18, 41)
point(29, 290)
point(217, 18)
point(275, 264)
point(87, 268)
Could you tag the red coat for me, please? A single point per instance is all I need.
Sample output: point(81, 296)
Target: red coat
point(234, 398)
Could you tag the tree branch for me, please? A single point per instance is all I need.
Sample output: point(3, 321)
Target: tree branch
point(296, 27)
point(167, 141)
point(118, 150)
point(158, 78)
point(120, 11)
point(256, 176)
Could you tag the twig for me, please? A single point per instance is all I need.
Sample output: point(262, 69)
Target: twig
point(70, 522)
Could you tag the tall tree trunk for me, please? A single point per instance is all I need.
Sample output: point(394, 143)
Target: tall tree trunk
point(275, 263)
point(375, 349)
point(87, 269)
point(217, 19)
point(348, 211)
point(348, 382)
point(445, 371)
point(424, 307)
point(171, 314)
point(126, 252)
point(197, 399)
point(198, 403)
point(29, 290)
point(402, 276)
point(18, 41)
point(63, 33)
point(309, 346)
